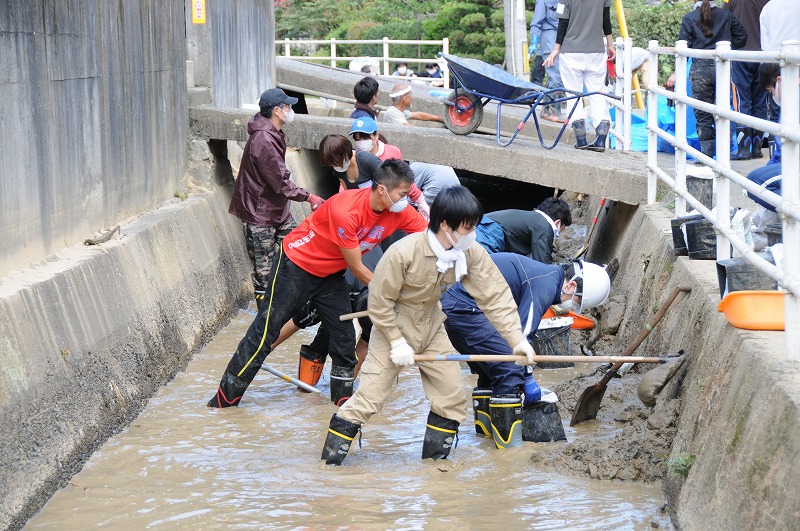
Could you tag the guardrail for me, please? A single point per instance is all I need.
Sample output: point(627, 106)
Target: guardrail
point(385, 59)
point(623, 87)
point(787, 205)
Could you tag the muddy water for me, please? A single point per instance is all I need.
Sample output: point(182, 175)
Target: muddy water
point(183, 466)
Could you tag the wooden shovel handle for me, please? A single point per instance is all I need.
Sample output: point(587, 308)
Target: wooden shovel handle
point(538, 359)
point(355, 315)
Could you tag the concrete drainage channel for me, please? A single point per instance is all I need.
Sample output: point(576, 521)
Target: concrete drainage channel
point(728, 417)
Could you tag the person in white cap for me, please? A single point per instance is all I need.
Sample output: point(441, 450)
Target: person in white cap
point(399, 112)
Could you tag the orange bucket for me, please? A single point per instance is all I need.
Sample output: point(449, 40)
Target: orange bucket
point(754, 310)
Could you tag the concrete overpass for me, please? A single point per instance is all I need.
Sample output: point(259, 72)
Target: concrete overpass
point(618, 176)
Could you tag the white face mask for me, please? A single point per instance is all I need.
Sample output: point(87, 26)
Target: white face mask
point(776, 95)
point(364, 145)
point(402, 70)
point(431, 71)
point(343, 167)
point(288, 117)
point(397, 206)
point(463, 242)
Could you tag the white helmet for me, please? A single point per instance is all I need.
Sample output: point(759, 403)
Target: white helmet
point(596, 284)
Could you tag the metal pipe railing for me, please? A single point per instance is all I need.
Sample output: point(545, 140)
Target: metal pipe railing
point(385, 59)
point(787, 204)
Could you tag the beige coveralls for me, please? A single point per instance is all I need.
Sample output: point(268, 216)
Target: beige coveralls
point(404, 298)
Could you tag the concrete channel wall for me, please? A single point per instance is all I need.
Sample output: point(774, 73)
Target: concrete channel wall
point(739, 396)
point(93, 118)
point(87, 338)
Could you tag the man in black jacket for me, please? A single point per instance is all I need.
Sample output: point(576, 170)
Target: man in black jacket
point(532, 232)
point(263, 188)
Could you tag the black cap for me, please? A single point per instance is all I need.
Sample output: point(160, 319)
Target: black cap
point(274, 97)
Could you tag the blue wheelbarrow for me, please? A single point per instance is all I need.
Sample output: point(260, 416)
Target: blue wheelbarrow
point(478, 83)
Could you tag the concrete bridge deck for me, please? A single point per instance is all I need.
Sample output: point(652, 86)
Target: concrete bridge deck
point(614, 175)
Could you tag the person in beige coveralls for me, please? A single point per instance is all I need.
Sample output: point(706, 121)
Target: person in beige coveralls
point(408, 319)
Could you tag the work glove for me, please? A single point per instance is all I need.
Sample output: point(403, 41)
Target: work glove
point(424, 209)
point(523, 348)
point(401, 354)
point(534, 47)
point(315, 201)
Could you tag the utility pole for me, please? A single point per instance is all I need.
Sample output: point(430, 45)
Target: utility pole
point(516, 38)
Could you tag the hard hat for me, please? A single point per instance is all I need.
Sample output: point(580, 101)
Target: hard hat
point(596, 284)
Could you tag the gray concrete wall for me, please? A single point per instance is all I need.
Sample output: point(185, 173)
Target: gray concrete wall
point(87, 338)
point(93, 115)
point(738, 395)
point(242, 50)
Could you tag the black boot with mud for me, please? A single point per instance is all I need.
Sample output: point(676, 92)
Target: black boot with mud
point(337, 443)
point(579, 128)
point(309, 368)
point(506, 413)
point(342, 379)
point(441, 435)
point(541, 422)
point(480, 406)
point(599, 143)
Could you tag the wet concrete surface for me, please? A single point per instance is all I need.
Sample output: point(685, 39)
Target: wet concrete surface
point(182, 465)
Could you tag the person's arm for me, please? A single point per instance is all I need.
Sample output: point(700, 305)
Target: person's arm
point(426, 117)
point(353, 258)
point(611, 50)
point(384, 292)
point(486, 285)
point(536, 28)
point(765, 40)
point(542, 245)
point(563, 24)
point(686, 33)
point(738, 34)
point(275, 173)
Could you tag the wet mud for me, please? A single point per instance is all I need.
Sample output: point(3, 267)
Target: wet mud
point(181, 465)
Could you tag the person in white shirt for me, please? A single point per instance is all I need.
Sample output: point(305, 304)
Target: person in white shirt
point(780, 21)
point(399, 112)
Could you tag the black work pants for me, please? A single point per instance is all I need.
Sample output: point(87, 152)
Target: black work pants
point(290, 288)
point(704, 84)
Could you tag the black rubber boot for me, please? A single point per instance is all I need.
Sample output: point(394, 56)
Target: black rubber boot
point(707, 149)
point(259, 293)
point(541, 422)
point(480, 406)
point(599, 143)
point(342, 379)
point(506, 413)
point(440, 435)
point(579, 128)
point(337, 443)
point(744, 141)
point(758, 141)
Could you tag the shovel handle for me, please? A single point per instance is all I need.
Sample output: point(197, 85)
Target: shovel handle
point(676, 296)
point(355, 315)
point(538, 359)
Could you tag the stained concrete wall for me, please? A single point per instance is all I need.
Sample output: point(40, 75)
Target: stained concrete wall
point(93, 118)
point(87, 338)
point(242, 50)
point(739, 396)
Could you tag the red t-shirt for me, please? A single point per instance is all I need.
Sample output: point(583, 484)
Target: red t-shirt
point(345, 220)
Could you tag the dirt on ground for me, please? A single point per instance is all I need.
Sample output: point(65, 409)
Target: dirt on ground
point(627, 441)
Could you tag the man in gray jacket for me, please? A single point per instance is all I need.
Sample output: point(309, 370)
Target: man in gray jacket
point(263, 188)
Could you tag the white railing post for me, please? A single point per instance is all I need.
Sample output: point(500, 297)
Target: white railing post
point(386, 71)
point(619, 84)
point(286, 48)
point(790, 191)
point(680, 127)
point(627, 61)
point(723, 148)
point(445, 70)
point(333, 52)
point(652, 124)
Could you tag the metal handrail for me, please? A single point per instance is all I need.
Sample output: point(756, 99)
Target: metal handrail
point(385, 58)
point(787, 204)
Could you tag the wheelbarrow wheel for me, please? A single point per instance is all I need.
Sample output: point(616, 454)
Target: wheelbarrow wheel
point(463, 122)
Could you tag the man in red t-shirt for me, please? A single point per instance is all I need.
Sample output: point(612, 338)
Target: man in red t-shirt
point(311, 266)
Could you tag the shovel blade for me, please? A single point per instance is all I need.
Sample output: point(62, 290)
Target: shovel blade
point(588, 404)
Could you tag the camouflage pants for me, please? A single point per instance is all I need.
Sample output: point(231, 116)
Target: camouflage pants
point(263, 243)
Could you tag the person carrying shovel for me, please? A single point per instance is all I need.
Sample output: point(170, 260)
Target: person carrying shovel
point(535, 287)
point(407, 320)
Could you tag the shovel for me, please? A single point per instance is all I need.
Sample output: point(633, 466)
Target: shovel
point(589, 401)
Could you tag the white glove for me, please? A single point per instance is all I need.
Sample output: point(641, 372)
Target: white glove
point(424, 209)
point(401, 354)
point(523, 348)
